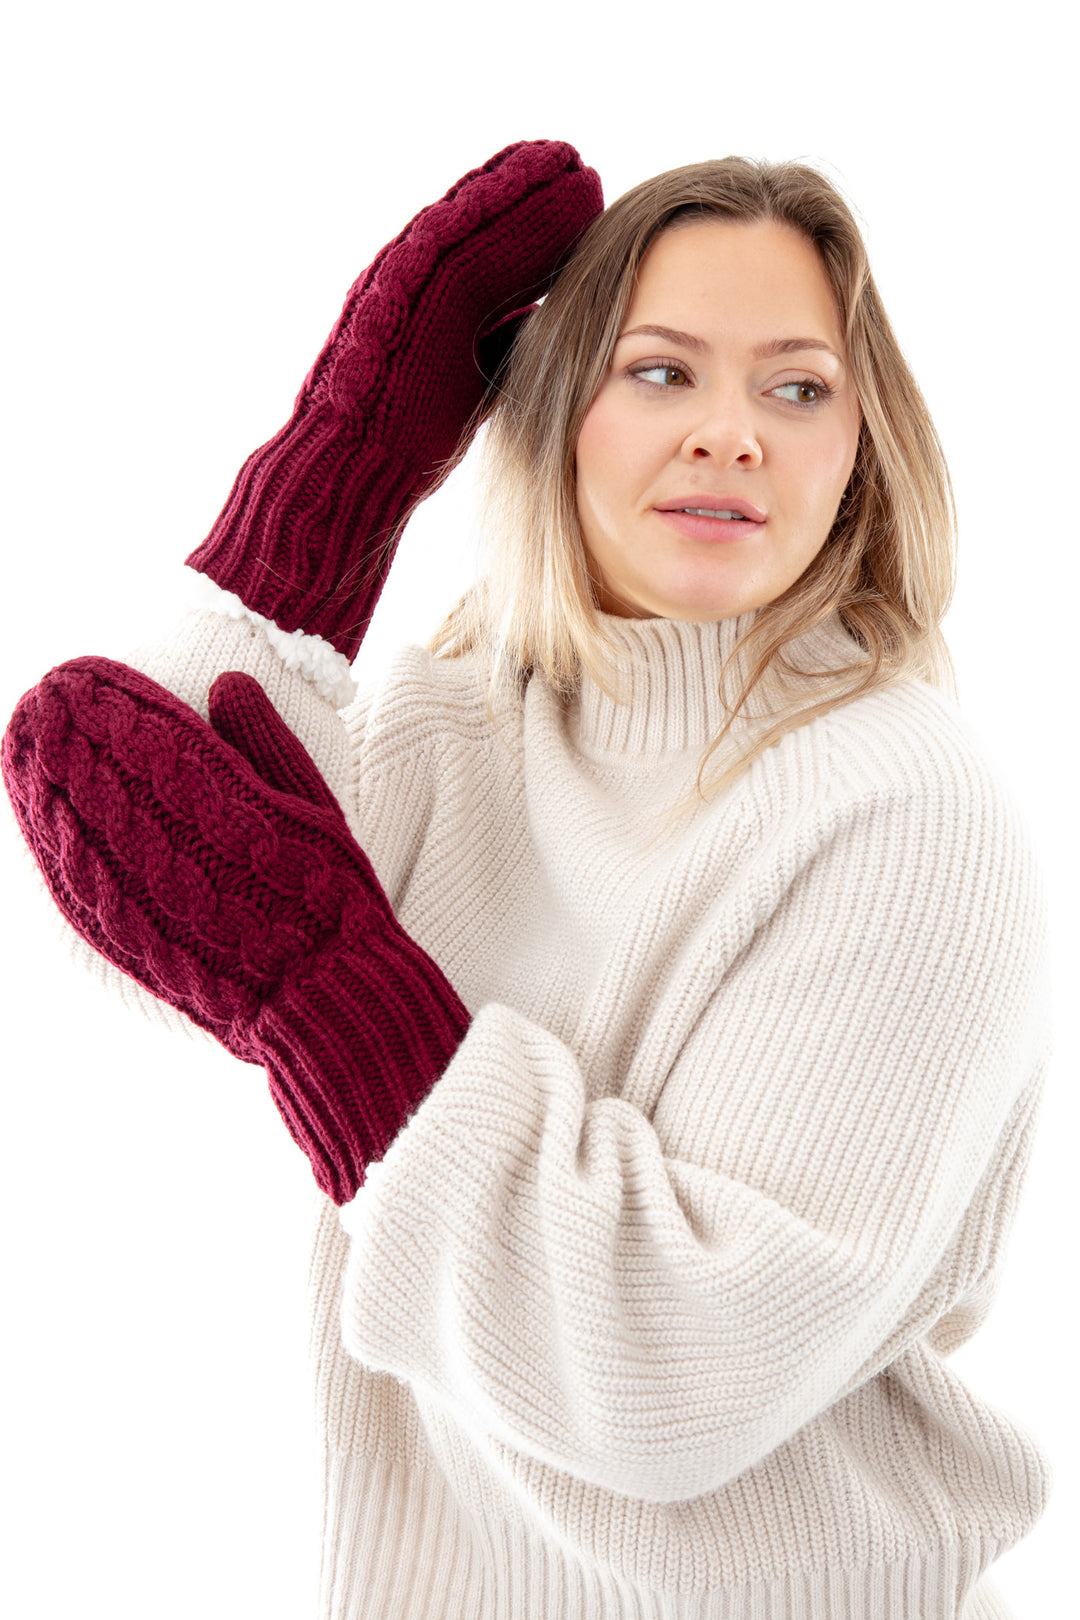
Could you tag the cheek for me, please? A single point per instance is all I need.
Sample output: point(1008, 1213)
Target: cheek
point(618, 449)
point(594, 448)
point(844, 449)
point(826, 465)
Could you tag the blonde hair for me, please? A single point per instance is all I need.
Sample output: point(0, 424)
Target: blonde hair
point(887, 566)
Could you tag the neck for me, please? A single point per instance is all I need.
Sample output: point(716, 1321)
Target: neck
point(659, 690)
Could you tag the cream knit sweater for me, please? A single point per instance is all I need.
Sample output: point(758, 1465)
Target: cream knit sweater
point(647, 1311)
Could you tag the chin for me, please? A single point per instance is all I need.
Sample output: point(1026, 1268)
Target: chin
point(694, 599)
point(700, 595)
point(695, 606)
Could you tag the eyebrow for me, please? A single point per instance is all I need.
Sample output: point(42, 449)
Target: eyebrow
point(761, 351)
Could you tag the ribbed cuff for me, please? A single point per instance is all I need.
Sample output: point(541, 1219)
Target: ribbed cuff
point(309, 531)
point(352, 1047)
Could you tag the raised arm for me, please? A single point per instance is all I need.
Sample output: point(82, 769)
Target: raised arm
point(308, 533)
point(298, 557)
point(300, 553)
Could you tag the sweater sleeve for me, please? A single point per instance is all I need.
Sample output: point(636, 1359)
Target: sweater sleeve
point(652, 1291)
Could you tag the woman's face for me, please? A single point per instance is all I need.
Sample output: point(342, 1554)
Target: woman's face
point(727, 393)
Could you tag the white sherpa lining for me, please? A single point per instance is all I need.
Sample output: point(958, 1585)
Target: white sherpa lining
point(311, 656)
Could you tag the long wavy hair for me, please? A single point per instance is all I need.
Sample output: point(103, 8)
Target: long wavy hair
point(887, 566)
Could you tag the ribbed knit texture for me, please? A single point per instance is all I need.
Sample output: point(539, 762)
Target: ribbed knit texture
point(308, 533)
point(647, 1310)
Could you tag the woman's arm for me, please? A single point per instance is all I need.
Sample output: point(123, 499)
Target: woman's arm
point(803, 1174)
point(296, 561)
point(309, 531)
point(298, 557)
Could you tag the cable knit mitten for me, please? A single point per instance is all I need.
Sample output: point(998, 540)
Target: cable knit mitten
point(213, 864)
point(309, 531)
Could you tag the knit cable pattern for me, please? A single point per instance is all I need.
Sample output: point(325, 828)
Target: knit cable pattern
point(213, 865)
point(308, 533)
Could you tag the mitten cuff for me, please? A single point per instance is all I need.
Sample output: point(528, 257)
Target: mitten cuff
point(309, 530)
point(352, 1046)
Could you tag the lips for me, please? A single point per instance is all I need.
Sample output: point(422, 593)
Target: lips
point(683, 514)
point(700, 500)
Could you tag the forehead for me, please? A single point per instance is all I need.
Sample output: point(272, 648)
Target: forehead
point(726, 280)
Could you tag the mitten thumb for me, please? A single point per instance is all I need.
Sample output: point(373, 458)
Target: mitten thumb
point(243, 716)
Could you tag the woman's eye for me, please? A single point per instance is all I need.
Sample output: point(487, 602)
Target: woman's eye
point(663, 376)
point(806, 392)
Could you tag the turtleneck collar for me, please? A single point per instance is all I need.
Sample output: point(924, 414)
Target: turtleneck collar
point(666, 680)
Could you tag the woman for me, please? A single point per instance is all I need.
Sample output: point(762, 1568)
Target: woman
point(652, 968)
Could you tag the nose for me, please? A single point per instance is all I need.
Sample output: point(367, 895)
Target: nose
point(724, 434)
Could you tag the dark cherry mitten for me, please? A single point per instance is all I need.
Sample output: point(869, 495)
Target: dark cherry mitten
point(309, 531)
point(213, 864)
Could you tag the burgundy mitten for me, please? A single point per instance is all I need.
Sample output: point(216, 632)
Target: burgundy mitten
point(309, 531)
point(213, 864)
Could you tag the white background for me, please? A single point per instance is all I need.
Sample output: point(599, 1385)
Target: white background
point(192, 191)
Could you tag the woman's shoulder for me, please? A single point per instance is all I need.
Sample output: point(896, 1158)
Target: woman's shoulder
point(911, 744)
